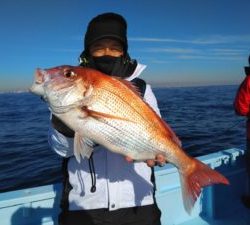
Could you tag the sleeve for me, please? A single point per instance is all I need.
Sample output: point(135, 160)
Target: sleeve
point(150, 98)
point(61, 144)
point(242, 99)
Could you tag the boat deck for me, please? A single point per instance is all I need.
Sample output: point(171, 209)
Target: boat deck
point(217, 205)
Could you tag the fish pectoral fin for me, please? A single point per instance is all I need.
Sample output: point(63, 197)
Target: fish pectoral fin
point(83, 147)
point(99, 115)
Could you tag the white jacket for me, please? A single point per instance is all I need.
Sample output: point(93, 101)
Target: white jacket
point(119, 184)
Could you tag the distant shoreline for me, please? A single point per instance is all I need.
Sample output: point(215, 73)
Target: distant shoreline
point(192, 86)
point(153, 86)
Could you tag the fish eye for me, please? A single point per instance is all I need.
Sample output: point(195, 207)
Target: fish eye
point(69, 73)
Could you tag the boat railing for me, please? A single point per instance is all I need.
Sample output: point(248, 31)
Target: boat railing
point(218, 204)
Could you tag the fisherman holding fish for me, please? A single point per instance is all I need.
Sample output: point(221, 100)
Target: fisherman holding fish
point(99, 112)
point(107, 188)
point(242, 108)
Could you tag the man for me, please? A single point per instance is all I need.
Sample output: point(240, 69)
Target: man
point(106, 189)
point(242, 107)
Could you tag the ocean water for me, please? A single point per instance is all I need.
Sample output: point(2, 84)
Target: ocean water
point(202, 117)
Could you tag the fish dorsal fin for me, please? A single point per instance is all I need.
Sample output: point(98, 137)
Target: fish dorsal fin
point(130, 85)
point(83, 147)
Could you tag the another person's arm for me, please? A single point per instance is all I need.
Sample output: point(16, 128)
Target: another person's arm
point(242, 99)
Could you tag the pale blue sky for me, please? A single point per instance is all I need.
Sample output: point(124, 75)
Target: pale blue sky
point(182, 42)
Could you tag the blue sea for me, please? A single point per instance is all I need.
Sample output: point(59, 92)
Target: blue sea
point(202, 117)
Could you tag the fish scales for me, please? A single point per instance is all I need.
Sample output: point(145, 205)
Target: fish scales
point(130, 110)
point(115, 106)
point(121, 137)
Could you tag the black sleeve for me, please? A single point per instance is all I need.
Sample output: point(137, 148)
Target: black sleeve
point(61, 127)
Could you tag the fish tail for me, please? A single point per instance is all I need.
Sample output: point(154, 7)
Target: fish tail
point(197, 177)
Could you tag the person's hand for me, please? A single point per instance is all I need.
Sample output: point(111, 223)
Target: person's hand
point(159, 160)
point(61, 127)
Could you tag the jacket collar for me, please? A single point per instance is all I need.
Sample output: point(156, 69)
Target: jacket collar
point(138, 70)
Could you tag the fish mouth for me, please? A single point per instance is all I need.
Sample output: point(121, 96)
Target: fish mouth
point(55, 91)
point(61, 109)
point(40, 77)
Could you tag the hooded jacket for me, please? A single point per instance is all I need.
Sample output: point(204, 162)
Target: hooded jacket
point(242, 100)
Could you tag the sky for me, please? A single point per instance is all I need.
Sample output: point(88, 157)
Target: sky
point(182, 42)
